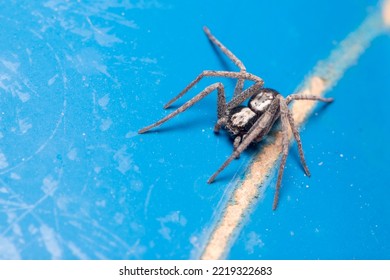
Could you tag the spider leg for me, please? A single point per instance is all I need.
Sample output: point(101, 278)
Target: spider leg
point(285, 144)
point(297, 138)
point(185, 106)
point(231, 56)
point(298, 96)
point(239, 87)
point(221, 122)
point(211, 73)
point(234, 155)
point(236, 142)
point(244, 95)
point(260, 126)
point(225, 50)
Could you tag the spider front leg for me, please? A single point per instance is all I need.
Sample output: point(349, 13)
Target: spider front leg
point(221, 106)
point(211, 73)
point(259, 127)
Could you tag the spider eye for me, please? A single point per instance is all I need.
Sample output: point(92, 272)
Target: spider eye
point(260, 102)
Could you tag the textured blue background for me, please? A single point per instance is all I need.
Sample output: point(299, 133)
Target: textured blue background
point(77, 80)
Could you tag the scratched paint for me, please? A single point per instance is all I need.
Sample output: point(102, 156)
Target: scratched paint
point(57, 112)
point(77, 81)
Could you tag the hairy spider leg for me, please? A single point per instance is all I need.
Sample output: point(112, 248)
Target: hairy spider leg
point(285, 146)
point(292, 123)
point(225, 50)
point(233, 156)
point(211, 73)
point(297, 138)
point(240, 82)
point(258, 128)
point(221, 104)
point(244, 95)
point(298, 96)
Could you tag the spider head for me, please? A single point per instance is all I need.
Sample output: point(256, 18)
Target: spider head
point(260, 102)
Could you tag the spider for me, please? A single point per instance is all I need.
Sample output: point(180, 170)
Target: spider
point(245, 123)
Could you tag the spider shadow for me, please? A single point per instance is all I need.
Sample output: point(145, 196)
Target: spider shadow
point(322, 108)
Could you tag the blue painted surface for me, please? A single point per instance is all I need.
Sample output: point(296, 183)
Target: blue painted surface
point(78, 80)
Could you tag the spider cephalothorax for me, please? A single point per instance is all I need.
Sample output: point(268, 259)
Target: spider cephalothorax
point(247, 124)
point(240, 120)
